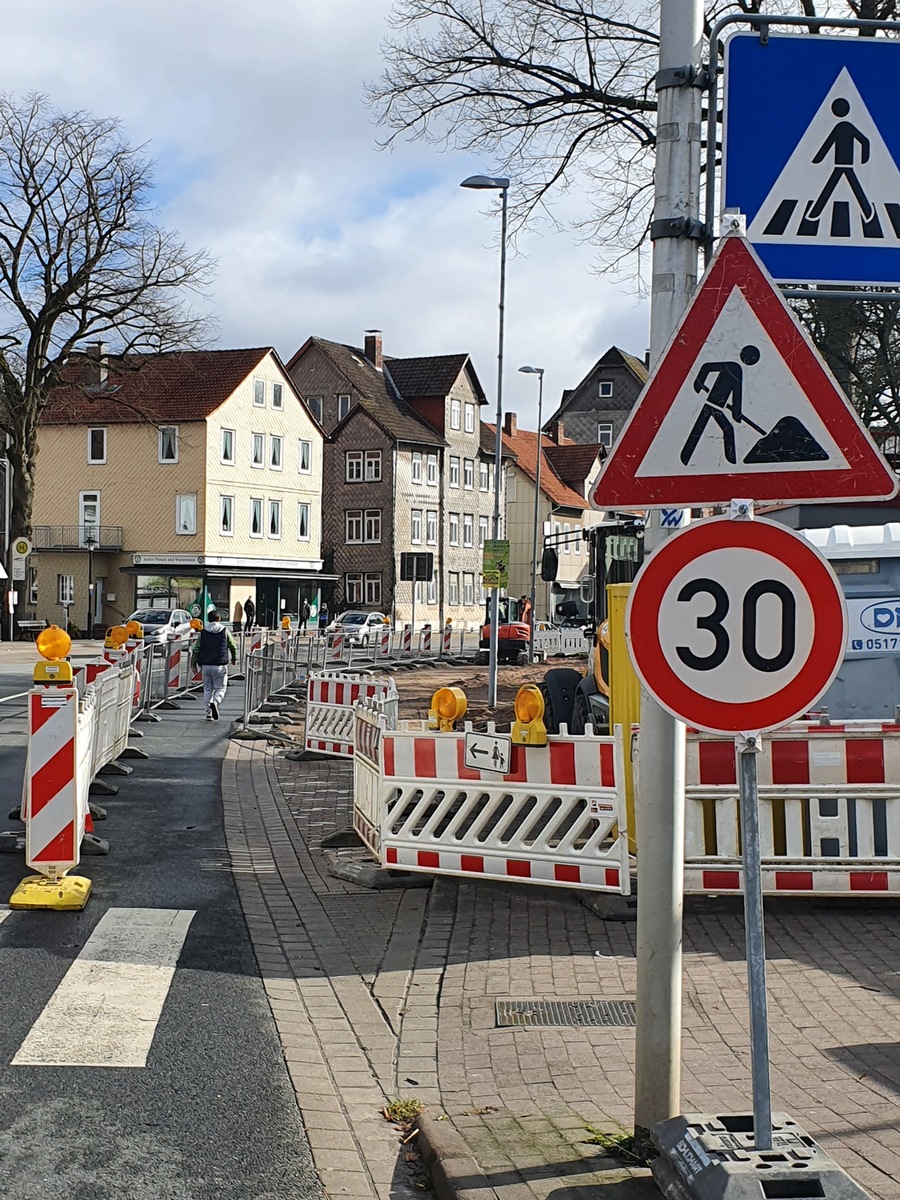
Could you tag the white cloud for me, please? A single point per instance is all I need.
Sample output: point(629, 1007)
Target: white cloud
point(266, 155)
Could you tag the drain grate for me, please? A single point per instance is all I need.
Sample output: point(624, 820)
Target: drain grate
point(564, 1012)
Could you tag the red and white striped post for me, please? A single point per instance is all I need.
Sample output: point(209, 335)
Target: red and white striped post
point(425, 640)
point(173, 668)
point(446, 634)
point(384, 644)
point(406, 640)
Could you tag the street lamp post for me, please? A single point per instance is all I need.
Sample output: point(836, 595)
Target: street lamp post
point(90, 541)
point(496, 183)
point(539, 371)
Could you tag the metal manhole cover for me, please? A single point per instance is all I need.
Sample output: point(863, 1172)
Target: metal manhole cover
point(564, 1012)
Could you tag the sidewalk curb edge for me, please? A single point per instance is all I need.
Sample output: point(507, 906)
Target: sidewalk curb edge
point(453, 1172)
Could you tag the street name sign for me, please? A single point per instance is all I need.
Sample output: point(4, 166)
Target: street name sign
point(488, 752)
point(740, 404)
point(812, 154)
point(736, 626)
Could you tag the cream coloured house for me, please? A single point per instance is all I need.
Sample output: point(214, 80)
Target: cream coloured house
point(156, 478)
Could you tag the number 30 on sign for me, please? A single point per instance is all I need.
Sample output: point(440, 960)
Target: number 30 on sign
point(736, 626)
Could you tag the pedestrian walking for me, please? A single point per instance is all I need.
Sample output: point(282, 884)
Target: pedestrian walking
point(304, 615)
point(249, 613)
point(323, 617)
point(211, 653)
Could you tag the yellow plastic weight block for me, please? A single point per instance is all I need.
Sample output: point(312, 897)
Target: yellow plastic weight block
point(70, 893)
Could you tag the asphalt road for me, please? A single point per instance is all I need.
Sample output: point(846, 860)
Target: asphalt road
point(212, 1113)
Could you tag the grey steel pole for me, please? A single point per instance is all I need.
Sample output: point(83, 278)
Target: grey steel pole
point(755, 942)
point(539, 371)
point(494, 640)
point(660, 802)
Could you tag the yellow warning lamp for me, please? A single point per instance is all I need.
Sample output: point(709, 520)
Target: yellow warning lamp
point(116, 637)
point(285, 622)
point(134, 629)
point(196, 624)
point(448, 705)
point(529, 728)
point(53, 644)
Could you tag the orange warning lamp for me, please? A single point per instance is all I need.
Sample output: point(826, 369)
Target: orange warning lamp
point(134, 629)
point(53, 644)
point(448, 705)
point(285, 622)
point(196, 624)
point(116, 637)
point(529, 728)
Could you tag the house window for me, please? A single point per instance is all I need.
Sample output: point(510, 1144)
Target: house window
point(453, 580)
point(314, 404)
point(454, 414)
point(606, 389)
point(168, 444)
point(305, 457)
point(96, 445)
point(431, 470)
point(416, 527)
point(89, 517)
point(483, 476)
point(482, 531)
point(353, 525)
point(566, 547)
point(373, 466)
point(470, 418)
point(468, 589)
point(278, 395)
point(373, 524)
point(483, 594)
point(227, 446)
point(226, 515)
point(605, 433)
point(353, 466)
point(432, 589)
point(468, 474)
point(453, 529)
point(468, 526)
point(353, 588)
point(373, 587)
point(256, 517)
point(431, 527)
point(258, 450)
point(275, 452)
point(416, 467)
point(65, 589)
point(343, 407)
point(578, 542)
point(275, 518)
point(259, 393)
point(186, 513)
point(32, 586)
point(510, 485)
point(454, 472)
point(302, 522)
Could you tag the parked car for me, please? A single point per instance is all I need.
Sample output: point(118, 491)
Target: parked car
point(163, 624)
point(359, 628)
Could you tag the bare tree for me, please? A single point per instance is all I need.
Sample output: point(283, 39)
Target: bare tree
point(81, 257)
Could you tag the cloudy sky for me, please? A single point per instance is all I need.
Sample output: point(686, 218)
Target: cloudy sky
point(266, 154)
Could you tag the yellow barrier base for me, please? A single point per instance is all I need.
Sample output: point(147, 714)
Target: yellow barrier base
point(68, 894)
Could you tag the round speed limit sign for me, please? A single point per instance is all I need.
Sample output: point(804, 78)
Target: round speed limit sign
point(736, 626)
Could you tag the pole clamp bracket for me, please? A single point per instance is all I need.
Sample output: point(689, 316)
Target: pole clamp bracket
point(678, 227)
point(689, 76)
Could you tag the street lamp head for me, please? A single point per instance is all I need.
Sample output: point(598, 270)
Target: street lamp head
point(531, 370)
point(497, 183)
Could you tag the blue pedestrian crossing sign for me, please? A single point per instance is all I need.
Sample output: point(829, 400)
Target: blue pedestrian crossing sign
point(812, 155)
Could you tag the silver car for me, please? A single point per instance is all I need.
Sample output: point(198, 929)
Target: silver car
point(163, 624)
point(359, 628)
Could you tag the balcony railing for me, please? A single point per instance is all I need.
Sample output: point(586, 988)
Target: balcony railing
point(98, 538)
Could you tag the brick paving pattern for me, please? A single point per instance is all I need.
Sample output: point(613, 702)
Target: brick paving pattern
point(380, 994)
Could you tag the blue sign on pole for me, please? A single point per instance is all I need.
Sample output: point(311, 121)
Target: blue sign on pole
point(811, 153)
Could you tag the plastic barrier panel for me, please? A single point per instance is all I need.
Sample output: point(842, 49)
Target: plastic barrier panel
point(329, 709)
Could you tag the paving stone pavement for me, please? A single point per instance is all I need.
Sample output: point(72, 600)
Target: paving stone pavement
point(380, 994)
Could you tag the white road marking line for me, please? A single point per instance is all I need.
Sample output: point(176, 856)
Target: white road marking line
point(107, 1006)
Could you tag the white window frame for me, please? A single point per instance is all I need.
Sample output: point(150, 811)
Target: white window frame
point(186, 507)
point(454, 471)
point(431, 519)
point(605, 433)
point(276, 451)
point(470, 418)
point(416, 467)
point(431, 470)
point(372, 526)
point(259, 393)
point(455, 414)
point(432, 589)
point(226, 516)
point(304, 453)
point(161, 437)
point(65, 589)
point(373, 466)
point(578, 542)
point(453, 529)
point(605, 389)
point(258, 441)
point(415, 526)
point(453, 587)
point(482, 531)
point(343, 405)
point(304, 531)
point(483, 477)
point(278, 395)
point(256, 506)
point(96, 459)
point(88, 501)
point(372, 588)
point(273, 525)
point(353, 466)
point(567, 549)
point(468, 588)
point(353, 587)
point(468, 524)
point(314, 404)
point(226, 459)
point(468, 474)
point(353, 526)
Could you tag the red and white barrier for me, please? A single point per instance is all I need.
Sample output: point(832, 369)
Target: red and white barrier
point(329, 709)
point(446, 635)
point(173, 668)
point(335, 650)
point(384, 641)
point(425, 640)
point(56, 781)
point(406, 640)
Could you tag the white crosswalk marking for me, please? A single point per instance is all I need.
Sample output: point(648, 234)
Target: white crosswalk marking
point(106, 1009)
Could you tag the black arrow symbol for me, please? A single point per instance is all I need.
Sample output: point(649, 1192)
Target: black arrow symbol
point(479, 750)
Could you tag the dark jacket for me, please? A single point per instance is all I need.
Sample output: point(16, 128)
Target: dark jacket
point(213, 647)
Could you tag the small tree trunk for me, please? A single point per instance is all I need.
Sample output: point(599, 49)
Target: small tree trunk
point(21, 453)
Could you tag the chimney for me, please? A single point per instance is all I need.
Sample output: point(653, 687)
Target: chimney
point(557, 432)
point(97, 370)
point(373, 347)
point(509, 424)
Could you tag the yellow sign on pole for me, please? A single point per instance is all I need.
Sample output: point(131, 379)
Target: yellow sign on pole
point(495, 563)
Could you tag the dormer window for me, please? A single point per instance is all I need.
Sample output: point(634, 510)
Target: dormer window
point(606, 389)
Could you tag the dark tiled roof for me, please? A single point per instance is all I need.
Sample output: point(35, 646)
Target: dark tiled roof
point(185, 385)
point(524, 444)
point(574, 463)
point(614, 357)
point(377, 394)
point(488, 441)
point(431, 376)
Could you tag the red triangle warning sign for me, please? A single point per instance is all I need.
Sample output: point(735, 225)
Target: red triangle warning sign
point(740, 405)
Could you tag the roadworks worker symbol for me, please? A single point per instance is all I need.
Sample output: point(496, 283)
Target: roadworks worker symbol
point(840, 185)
